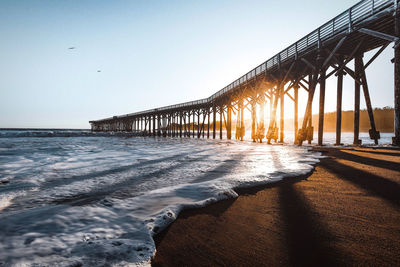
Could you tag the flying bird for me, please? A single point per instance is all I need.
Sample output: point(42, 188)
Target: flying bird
point(72, 47)
point(98, 70)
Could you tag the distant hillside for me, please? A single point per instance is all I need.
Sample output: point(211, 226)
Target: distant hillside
point(383, 120)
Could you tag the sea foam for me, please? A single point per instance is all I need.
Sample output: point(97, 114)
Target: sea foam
point(96, 200)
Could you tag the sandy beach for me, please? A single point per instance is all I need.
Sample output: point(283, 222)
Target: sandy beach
point(347, 212)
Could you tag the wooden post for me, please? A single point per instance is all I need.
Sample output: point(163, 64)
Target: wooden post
point(307, 120)
point(282, 113)
point(198, 123)
point(214, 120)
point(321, 107)
point(373, 133)
point(180, 124)
point(242, 125)
point(194, 121)
point(396, 138)
point(150, 128)
point(154, 125)
point(159, 124)
point(296, 111)
point(272, 120)
point(253, 119)
point(168, 124)
point(189, 123)
point(229, 122)
point(271, 100)
point(172, 124)
point(357, 70)
point(261, 125)
point(339, 107)
point(208, 122)
point(220, 121)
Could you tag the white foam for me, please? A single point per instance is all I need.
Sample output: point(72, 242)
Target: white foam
point(100, 200)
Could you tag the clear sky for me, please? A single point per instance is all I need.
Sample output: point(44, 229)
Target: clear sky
point(149, 54)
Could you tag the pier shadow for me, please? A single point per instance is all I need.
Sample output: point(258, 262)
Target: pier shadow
point(367, 160)
point(374, 184)
point(307, 238)
point(379, 152)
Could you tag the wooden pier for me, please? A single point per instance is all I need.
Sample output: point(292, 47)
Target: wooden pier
point(307, 64)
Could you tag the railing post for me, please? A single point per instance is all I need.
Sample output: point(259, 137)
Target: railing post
point(350, 22)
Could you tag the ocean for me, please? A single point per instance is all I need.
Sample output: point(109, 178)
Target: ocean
point(72, 197)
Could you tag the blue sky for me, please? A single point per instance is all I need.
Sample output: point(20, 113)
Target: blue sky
point(150, 53)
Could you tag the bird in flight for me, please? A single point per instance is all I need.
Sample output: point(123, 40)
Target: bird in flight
point(72, 47)
point(98, 70)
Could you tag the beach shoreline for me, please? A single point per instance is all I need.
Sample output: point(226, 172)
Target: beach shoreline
point(344, 212)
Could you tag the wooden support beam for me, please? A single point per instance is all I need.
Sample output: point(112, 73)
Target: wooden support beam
point(308, 63)
point(208, 123)
point(214, 120)
point(229, 123)
point(375, 56)
point(282, 115)
point(321, 107)
point(307, 119)
point(291, 97)
point(194, 122)
point(380, 35)
point(296, 111)
point(221, 111)
point(373, 134)
point(305, 81)
point(287, 73)
point(253, 120)
point(353, 75)
point(396, 138)
point(339, 107)
point(242, 124)
point(304, 87)
point(180, 124)
point(189, 123)
point(272, 121)
point(184, 124)
point(350, 57)
point(338, 45)
point(154, 125)
point(198, 124)
point(357, 69)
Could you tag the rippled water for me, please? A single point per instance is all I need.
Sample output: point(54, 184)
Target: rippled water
point(99, 200)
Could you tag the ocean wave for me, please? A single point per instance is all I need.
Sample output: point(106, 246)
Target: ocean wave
point(99, 201)
point(62, 133)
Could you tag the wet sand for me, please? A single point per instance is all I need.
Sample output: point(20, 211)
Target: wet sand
point(347, 212)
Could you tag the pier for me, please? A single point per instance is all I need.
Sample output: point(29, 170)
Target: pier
point(305, 65)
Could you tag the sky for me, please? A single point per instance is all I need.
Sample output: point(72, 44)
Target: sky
point(135, 55)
